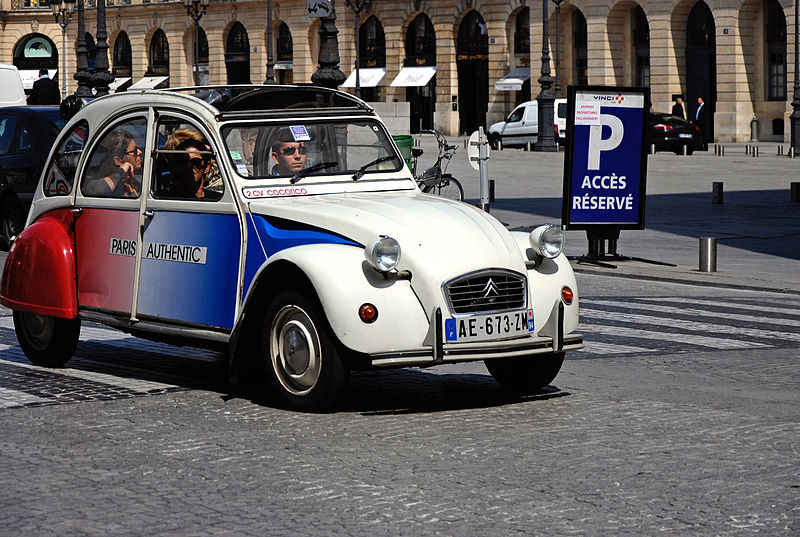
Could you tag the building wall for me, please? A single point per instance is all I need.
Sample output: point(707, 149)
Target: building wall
point(740, 50)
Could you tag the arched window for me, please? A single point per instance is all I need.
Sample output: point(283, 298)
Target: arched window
point(372, 43)
point(35, 51)
point(123, 64)
point(579, 38)
point(237, 55)
point(702, 30)
point(420, 42)
point(284, 55)
point(473, 37)
point(775, 32)
point(522, 32)
point(159, 54)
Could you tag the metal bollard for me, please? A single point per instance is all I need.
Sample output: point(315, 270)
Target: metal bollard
point(747, 150)
point(652, 149)
point(722, 150)
point(491, 190)
point(684, 150)
point(708, 254)
point(795, 193)
point(716, 192)
point(499, 145)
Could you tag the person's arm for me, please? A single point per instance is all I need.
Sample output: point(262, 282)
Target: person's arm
point(104, 186)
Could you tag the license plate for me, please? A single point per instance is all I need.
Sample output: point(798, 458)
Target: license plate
point(491, 326)
point(684, 136)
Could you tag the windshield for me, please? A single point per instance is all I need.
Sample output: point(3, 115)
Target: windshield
point(308, 149)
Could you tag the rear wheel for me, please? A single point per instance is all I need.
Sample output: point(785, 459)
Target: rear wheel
point(527, 374)
point(303, 364)
point(46, 341)
point(12, 219)
point(449, 187)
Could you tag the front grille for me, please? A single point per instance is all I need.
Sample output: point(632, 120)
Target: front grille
point(485, 292)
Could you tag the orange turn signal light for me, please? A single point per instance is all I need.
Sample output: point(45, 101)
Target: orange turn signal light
point(567, 295)
point(368, 313)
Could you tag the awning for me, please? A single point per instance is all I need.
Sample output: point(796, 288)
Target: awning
point(149, 82)
point(29, 76)
point(369, 77)
point(513, 81)
point(414, 76)
point(119, 84)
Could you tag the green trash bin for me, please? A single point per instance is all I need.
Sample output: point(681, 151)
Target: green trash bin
point(405, 143)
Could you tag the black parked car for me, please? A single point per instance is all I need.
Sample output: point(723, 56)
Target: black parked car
point(26, 135)
point(671, 133)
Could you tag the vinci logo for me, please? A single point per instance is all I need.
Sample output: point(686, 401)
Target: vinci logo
point(618, 99)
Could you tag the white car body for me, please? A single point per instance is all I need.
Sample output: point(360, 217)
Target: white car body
point(268, 235)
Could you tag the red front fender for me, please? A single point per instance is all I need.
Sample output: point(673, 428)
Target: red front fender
point(39, 274)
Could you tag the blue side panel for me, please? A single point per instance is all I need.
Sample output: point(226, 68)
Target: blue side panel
point(190, 268)
point(275, 239)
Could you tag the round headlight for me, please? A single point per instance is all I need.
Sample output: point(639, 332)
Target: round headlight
point(547, 240)
point(383, 253)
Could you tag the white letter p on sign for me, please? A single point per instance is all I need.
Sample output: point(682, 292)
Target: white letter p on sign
point(596, 142)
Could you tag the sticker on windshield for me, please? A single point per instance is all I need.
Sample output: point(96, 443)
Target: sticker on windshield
point(299, 133)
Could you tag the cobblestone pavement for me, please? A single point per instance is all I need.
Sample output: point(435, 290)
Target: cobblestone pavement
point(648, 431)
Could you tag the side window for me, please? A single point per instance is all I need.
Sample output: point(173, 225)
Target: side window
point(61, 170)
point(186, 166)
point(115, 164)
point(24, 139)
point(8, 131)
point(516, 115)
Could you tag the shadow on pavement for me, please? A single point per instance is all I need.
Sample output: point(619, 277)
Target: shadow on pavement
point(750, 220)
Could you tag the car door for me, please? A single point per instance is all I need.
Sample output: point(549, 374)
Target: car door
point(107, 216)
point(513, 129)
point(191, 246)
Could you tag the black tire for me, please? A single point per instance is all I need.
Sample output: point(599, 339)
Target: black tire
point(301, 354)
point(46, 341)
point(12, 220)
point(526, 374)
point(494, 142)
point(449, 187)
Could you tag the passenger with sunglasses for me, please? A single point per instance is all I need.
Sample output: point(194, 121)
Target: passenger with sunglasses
point(289, 157)
point(122, 178)
point(188, 172)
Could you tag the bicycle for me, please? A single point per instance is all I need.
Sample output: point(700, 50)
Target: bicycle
point(435, 180)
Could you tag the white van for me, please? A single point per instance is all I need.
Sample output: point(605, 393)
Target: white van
point(522, 125)
point(11, 90)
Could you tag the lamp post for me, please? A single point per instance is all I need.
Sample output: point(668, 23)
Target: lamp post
point(794, 119)
point(63, 11)
point(558, 46)
point(328, 74)
point(101, 77)
point(82, 74)
point(357, 6)
point(546, 140)
point(270, 58)
point(193, 10)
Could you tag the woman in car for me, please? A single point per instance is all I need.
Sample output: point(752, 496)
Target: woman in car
point(122, 177)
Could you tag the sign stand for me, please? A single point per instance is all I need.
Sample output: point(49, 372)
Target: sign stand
point(478, 154)
point(605, 167)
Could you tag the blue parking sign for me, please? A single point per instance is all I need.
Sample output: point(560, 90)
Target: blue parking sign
point(605, 165)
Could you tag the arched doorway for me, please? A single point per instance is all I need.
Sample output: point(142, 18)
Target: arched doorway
point(522, 51)
point(158, 55)
point(701, 64)
point(284, 55)
point(237, 55)
point(472, 61)
point(421, 52)
point(641, 48)
point(372, 48)
point(123, 60)
point(580, 53)
point(34, 52)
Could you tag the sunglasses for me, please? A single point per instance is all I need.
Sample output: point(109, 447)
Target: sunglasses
point(288, 151)
point(135, 151)
point(198, 163)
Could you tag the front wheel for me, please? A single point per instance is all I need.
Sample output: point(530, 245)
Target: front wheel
point(12, 219)
point(46, 341)
point(526, 374)
point(449, 187)
point(303, 364)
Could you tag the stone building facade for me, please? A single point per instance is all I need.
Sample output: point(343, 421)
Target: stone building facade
point(738, 55)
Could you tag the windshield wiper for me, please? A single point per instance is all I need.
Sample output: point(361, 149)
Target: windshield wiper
point(311, 169)
point(362, 170)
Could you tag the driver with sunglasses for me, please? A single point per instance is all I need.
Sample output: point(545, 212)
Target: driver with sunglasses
point(289, 157)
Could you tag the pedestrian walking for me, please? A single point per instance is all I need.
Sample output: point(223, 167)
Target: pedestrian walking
point(45, 90)
point(677, 108)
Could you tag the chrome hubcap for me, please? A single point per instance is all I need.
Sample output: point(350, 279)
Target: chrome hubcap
point(295, 350)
